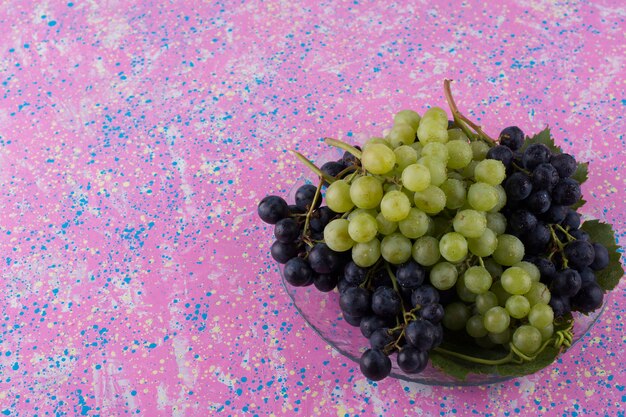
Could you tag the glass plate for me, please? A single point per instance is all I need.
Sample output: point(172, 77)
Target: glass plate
point(322, 312)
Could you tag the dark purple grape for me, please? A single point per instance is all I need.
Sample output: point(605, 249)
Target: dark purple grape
point(579, 253)
point(522, 221)
point(287, 230)
point(545, 177)
point(332, 168)
point(579, 234)
point(349, 160)
point(298, 273)
point(501, 153)
point(411, 360)
point(343, 285)
point(410, 275)
point(272, 209)
point(371, 323)
point(537, 240)
point(538, 201)
point(386, 302)
point(564, 163)
point(546, 269)
point(424, 295)
point(535, 154)
point(375, 365)
point(432, 312)
point(380, 338)
point(354, 274)
point(293, 209)
point(305, 195)
point(354, 321)
point(355, 301)
point(325, 282)
point(566, 192)
point(517, 186)
point(555, 214)
point(512, 137)
point(571, 220)
point(587, 276)
point(601, 258)
point(282, 252)
point(566, 283)
point(320, 218)
point(421, 334)
point(588, 299)
point(560, 306)
point(324, 260)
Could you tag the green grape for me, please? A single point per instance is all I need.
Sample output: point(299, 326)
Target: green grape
point(358, 211)
point(527, 339)
point(481, 196)
point(437, 116)
point(494, 268)
point(443, 276)
point(496, 222)
point(477, 279)
point(395, 206)
point(365, 192)
point(336, 235)
point(401, 134)
point(405, 156)
point(500, 338)
point(455, 192)
point(490, 171)
point(338, 197)
point(485, 301)
point(531, 269)
point(455, 316)
point(385, 227)
point(496, 320)
point(538, 293)
point(479, 150)
point(418, 148)
point(540, 315)
point(416, 177)
point(475, 327)
point(436, 151)
point(515, 281)
point(363, 228)
point(428, 131)
point(431, 200)
point(460, 153)
point(510, 250)
point(470, 223)
point(376, 140)
point(500, 292)
point(378, 159)
point(546, 332)
point(453, 247)
point(395, 248)
point(468, 170)
point(408, 117)
point(457, 134)
point(517, 306)
point(501, 198)
point(426, 251)
point(463, 292)
point(484, 245)
point(366, 254)
point(437, 168)
point(415, 224)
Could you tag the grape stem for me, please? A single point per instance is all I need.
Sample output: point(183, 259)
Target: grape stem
point(564, 230)
point(313, 168)
point(461, 120)
point(345, 146)
point(316, 197)
point(559, 244)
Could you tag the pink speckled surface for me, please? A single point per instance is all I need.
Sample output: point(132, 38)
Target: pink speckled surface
point(136, 140)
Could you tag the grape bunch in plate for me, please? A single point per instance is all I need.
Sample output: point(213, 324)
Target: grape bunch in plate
point(444, 244)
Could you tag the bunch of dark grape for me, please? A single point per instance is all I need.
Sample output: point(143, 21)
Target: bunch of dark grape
point(540, 210)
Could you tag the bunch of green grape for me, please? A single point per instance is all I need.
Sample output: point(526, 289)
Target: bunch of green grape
point(436, 200)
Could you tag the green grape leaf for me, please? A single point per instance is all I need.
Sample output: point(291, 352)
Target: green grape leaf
point(581, 172)
point(603, 233)
point(461, 368)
